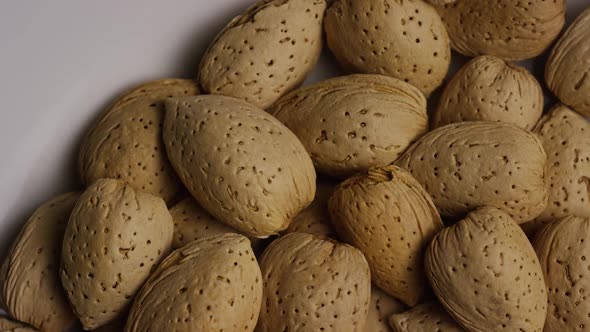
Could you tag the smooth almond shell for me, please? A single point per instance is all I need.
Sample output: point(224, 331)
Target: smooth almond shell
point(472, 164)
point(382, 306)
point(511, 30)
point(567, 71)
point(314, 285)
point(403, 39)
point(562, 248)
point(241, 164)
point(429, 316)
point(126, 142)
point(212, 284)
point(265, 52)
point(391, 219)
point(30, 287)
point(7, 325)
point(114, 239)
point(491, 89)
point(566, 139)
point(352, 123)
point(485, 273)
point(315, 219)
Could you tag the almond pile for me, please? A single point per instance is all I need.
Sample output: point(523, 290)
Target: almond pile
point(241, 201)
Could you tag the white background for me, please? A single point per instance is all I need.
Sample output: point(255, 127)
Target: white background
point(62, 62)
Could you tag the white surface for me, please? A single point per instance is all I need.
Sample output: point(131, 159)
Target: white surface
point(62, 62)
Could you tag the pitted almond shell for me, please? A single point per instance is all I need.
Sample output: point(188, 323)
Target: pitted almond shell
point(472, 164)
point(30, 287)
point(429, 316)
point(387, 215)
point(486, 274)
point(241, 164)
point(115, 237)
point(352, 123)
point(265, 52)
point(126, 142)
point(212, 284)
point(312, 283)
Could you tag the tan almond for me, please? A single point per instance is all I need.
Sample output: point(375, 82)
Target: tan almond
point(192, 222)
point(429, 316)
point(115, 237)
point(566, 139)
point(390, 218)
point(30, 287)
point(265, 52)
point(403, 39)
point(212, 284)
point(486, 274)
point(241, 164)
point(382, 306)
point(352, 123)
point(315, 219)
point(511, 30)
point(472, 164)
point(567, 71)
point(126, 142)
point(313, 284)
point(491, 89)
point(562, 248)
point(6, 325)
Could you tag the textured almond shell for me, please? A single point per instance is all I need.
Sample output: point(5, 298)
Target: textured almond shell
point(485, 273)
point(490, 89)
point(212, 284)
point(312, 284)
point(440, 2)
point(265, 52)
point(126, 142)
point(511, 30)
point(566, 139)
point(562, 248)
point(7, 325)
point(351, 123)
point(315, 219)
point(382, 306)
point(429, 316)
point(192, 222)
point(403, 39)
point(30, 288)
point(472, 164)
point(115, 237)
point(567, 71)
point(391, 219)
point(241, 164)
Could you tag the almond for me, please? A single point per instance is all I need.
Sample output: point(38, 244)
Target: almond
point(390, 218)
point(429, 316)
point(265, 52)
point(314, 285)
point(315, 219)
point(403, 39)
point(114, 239)
point(511, 30)
point(212, 284)
point(472, 164)
point(382, 306)
point(562, 248)
point(566, 139)
point(30, 288)
point(485, 273)
point(491, 89)
point(7, 325)
point(567, 71)
point(126, 142)
point(241, 164)
point(352, 123)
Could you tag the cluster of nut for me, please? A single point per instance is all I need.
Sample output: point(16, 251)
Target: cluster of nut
point(202, 210)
